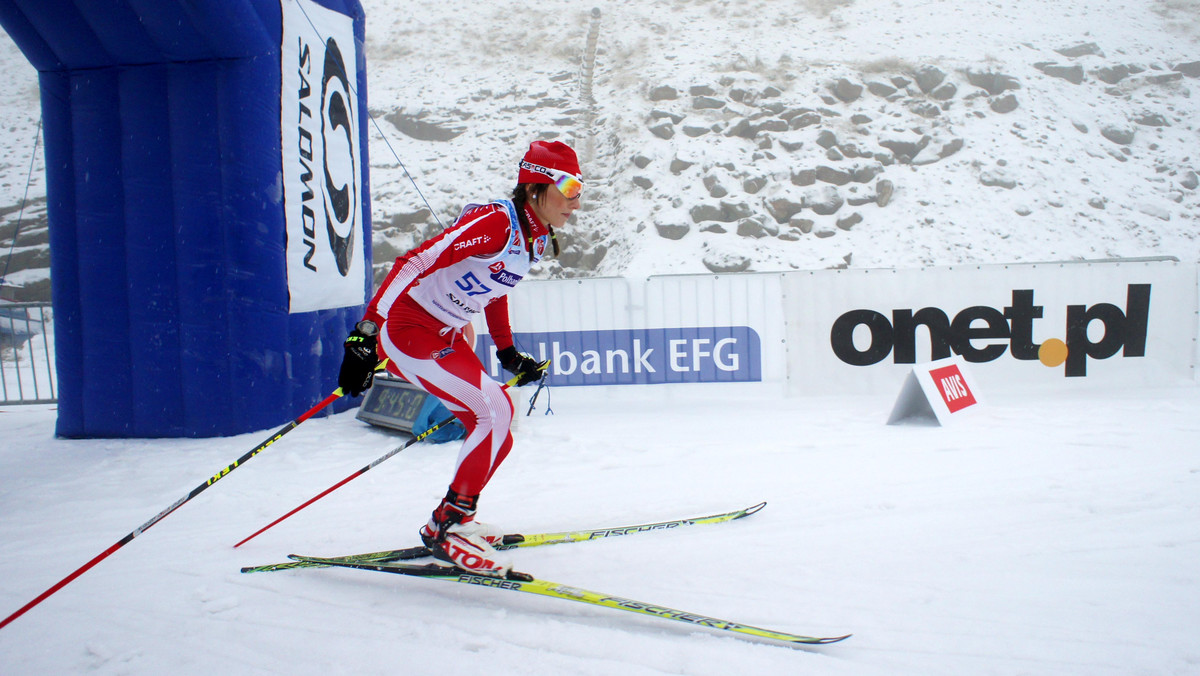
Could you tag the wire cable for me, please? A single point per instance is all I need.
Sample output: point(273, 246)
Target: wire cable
point(379, 130)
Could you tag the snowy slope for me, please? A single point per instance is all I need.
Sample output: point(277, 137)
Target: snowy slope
point(1040, 182)
point(1096, 160)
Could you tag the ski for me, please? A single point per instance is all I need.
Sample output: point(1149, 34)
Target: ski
point(526, 583)
point(386, 556)
point(514, 541)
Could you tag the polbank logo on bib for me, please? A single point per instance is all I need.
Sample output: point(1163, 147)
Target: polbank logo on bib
point(718, 354)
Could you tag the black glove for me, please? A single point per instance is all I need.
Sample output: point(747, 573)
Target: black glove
point(519, 365)
point(360, 360)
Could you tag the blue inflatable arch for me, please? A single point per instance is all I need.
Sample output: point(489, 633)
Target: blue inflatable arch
point(178, 200)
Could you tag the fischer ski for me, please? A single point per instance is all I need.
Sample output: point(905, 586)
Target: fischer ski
point(524, 582)
point(515, 541)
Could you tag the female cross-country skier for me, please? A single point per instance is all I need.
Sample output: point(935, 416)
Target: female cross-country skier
point(416, 318)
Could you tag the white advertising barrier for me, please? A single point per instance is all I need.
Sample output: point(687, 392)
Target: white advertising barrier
point(1019, 326)
point(749, 300)
point(686, 329)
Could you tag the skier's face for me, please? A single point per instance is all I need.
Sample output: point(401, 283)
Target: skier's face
point(553, 208)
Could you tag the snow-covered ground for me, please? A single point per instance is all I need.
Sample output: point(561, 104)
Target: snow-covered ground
point(1044, 535)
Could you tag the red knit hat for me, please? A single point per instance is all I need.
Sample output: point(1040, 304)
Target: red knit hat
point(549, 154)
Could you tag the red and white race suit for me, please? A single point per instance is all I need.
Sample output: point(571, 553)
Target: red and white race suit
point(435, 290)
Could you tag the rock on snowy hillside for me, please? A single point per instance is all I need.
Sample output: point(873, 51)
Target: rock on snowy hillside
point(722, 138)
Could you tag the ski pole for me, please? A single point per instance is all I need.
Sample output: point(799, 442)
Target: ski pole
point(364, 470)
point(163, 514)
point(534, 398)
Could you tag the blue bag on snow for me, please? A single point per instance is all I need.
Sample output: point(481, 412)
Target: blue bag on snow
point(433, 411)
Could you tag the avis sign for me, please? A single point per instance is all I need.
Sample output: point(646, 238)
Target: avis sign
point(952, 385)
point(935, 392)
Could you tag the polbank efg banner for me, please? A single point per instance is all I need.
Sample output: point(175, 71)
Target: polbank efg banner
point(706, 354)
point(322, 159)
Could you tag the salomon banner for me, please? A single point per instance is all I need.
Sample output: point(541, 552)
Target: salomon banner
point(322, 158)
